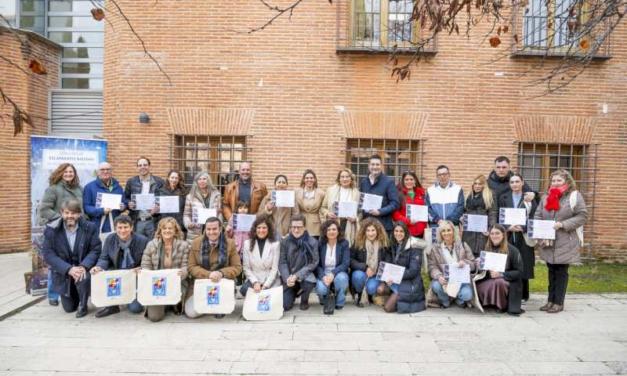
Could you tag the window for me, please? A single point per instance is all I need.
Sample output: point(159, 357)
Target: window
point(219, 155)
point(8, 10)
point(398, 156)
point(551, 23)
point(382, 23)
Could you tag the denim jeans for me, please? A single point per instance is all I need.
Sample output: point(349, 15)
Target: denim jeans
point(360, 279)
point(464, 294)
point(51, 294)
point(340, 282)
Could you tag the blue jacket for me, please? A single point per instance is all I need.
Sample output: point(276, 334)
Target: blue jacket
point(342, 258)
point(57, 254)
point(111, 255)
point(445, 203)
point(383, 186)
point(90, 192)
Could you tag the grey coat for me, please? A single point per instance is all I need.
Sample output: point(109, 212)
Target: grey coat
point(565, 248)
point(50, 206)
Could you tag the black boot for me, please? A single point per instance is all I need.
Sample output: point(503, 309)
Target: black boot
point(358, 302)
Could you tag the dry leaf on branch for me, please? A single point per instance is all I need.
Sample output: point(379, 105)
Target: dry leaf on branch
point(98, 14)
point(495, 41)
point(36, 67)
point(584, 44)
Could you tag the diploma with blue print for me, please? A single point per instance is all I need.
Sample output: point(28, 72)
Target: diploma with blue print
point(541, 229)
point(513, 216)
point(475, 223)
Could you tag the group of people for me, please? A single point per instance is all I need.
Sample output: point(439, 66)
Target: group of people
point(308, 246)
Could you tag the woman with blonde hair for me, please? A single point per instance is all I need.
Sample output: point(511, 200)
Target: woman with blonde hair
point(370, 243)
point(449, 250)
point(343, 190)
point(202, 195)
point(479, 202)
point(309, 200)
point(64, 185)
point(167, 250)
point(564, 205)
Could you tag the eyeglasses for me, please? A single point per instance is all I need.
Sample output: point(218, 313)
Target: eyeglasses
point(443, 174)
point(105, 169)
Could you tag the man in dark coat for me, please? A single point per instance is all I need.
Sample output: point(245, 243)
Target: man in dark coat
point(71, 247)
point(144, 183)
point(297, 262)
point(121, 250)
point(378, 183)
point(498, 180)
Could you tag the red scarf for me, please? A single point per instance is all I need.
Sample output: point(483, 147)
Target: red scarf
point(553, 199)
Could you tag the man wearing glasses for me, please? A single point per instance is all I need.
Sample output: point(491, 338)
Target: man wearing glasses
point(298, 260)
point(445, 199)
point(104, 183)
point(144, 183)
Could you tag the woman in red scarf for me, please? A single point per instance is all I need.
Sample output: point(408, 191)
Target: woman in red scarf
point(410, 192)
point(564, 205)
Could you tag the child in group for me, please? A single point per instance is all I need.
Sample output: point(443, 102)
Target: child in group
point(238, 236)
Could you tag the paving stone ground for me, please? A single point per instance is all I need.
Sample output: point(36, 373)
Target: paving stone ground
point(589, 338)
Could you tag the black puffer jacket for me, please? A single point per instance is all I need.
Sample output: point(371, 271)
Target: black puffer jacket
point(411, 292)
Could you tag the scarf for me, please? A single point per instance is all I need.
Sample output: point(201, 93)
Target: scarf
point(205, 250)
point(127, 259)
point(553, 199)
point(372, 254)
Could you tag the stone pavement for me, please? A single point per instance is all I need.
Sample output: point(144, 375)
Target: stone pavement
point(590, 337)
point(12, 294)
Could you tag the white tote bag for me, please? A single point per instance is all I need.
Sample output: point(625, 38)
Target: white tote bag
point(103, 235)
point(265, 305)
point(212, 297)
point(111, 288)
point(158, 287)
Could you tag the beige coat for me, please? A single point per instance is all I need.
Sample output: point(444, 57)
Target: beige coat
point(310, 208)
point(263, 269)
point(280, 216)
point(180, 255)
point(436, 261)
point(330, 198)
point(565, 248)
point(215, 202)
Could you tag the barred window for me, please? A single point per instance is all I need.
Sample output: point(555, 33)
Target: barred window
point(220, 156)
point(382, 23)
point(546, 23)
point(398, 156)
point(536, 162)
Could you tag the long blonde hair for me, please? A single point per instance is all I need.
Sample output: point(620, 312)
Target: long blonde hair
point(382, 237)
point(488, 199)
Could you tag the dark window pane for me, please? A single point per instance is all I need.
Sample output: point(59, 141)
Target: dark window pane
point(83, 53)
point(79, 23)
point(76, 37)
point(82, 68)
point(32, 6)
point(81, 83)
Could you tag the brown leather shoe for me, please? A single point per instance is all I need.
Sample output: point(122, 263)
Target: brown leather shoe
point(555, 308)
point(546, 307)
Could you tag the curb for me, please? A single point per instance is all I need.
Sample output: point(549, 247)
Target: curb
point(20, 309)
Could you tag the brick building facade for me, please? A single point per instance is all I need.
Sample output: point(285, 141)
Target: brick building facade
point(30, 92)
point(300, 94)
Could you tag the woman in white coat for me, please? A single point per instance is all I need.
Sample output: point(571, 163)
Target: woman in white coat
point(261, 257)
point(344, 190)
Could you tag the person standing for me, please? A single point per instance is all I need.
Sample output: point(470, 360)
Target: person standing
point(517, 235)
point(105, 183)
point(378, 183)
point(64, 185)
point(480, 202)
point(71, 247)
point(202, 195)
point(143, 183)
point(411, 193)
point(344, 190)
point(564, 205)
point(281, 216)
point(445, 199)
point(309, 200)
point(243, 189)
point(173, 186)
point(498, 179)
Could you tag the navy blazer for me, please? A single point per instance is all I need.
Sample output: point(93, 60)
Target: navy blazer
point(383, 186)
point(110, 255)
point(57, 254)
point(342, 258)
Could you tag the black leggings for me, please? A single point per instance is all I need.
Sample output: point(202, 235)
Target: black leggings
point(558, 282)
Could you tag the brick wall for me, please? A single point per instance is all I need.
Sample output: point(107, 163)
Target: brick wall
point(30, 92)
point(292, 78)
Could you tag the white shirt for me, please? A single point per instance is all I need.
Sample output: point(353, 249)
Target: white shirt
point(329, 259)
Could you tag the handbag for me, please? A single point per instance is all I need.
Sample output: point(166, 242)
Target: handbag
point(103, 235)
point(329, 303)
